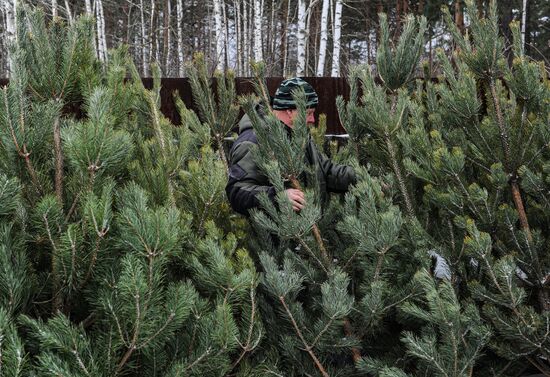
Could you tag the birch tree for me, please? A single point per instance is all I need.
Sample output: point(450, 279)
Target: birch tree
point(151, 32)
point(54, 8)
point(179, 11)
point(101, 37)
point(337, 32)
point(167, 36)
point(144, 54)
point(245, 37)
point(523, 22)
point(88, 7)
point(219, 35)
point(323, 39)
point(258, 48)
point(302, 37)
point(9, 7)
point(69, 13)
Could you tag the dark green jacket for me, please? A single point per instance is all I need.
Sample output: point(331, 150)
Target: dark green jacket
point(246, 181)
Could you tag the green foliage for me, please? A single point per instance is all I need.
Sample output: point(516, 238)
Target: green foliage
point(396, 66)
point(120, 255)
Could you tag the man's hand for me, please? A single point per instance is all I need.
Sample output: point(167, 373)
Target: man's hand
point(297, 199)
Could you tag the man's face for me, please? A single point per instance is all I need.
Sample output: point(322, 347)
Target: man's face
point(310, 117)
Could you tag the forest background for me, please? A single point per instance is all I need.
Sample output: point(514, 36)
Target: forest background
point(293, 37)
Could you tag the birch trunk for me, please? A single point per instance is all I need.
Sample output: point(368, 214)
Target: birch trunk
point(302, 36)
point(54, 8)
point(179, 10)
point(88, 5)
point(69, 13)
point(167, 48)
point(324, 38)
point(144, 65)
point(101, 38)
point(336, 37)
point(225, 24)
point(284, 42)
point(237, 7)
point(258, 48)
point(246, 41)
point(218, 35)
point(152, 38)
point(10, 15)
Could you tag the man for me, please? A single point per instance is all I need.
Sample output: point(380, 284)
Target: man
point(245, 179)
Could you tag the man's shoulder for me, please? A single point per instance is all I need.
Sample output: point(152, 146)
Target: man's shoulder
point(247, 135)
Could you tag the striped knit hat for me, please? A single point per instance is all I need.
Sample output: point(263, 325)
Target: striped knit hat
point(283, 96)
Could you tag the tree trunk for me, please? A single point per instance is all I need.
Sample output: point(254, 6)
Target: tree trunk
point(225, 24)
point(166, 37)
point(237, 7)
point(336, 39)
point(420, 8)
point(324, 38)
point(54, 8)
point(88, 6)
point(302, 36)
point(144, 54)
point(523, 22)
point(101, 38)
point(152, 38)
point(9, 13)
point(459, 16)
point(244, 36)
point(258, 48)
point(218, 35)
point(284, 39)
point(69, 13)
point(179, 11)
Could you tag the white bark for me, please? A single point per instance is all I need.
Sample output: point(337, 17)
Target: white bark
point(168, 41)
point(152, 38)
point(302, 36)
point(324, 38)
point(144, 54)
point(285, 55)
point(258, 48)
point(101, 37)
point(246, 40)
point(237, 7)
point(54, 8)
point(69, 13)
point(336, 39)
point(523, 23)
point(219, 35)
point(179, 10)
point(225, 24)
point(9, 8)
point(88, 5)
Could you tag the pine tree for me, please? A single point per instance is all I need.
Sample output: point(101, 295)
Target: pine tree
point(110, 267)
point(473, 147)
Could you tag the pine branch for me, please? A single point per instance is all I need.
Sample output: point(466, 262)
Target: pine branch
point(58, 160)
point(308, 348)
point(248, 346)
point(316, 233)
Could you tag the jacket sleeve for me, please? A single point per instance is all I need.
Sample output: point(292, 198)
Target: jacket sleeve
point(338, 177)
point(245, 181)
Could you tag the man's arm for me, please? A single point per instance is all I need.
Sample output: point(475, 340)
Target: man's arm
point(338, 177)
point(245, 180)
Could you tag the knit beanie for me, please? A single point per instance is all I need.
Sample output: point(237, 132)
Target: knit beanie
point(283, 95)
